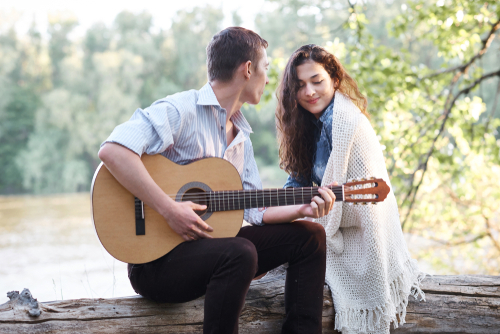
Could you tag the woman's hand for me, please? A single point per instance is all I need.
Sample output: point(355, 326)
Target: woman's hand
point(319, 206)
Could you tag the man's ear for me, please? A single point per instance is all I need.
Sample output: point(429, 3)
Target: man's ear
point(248, 69)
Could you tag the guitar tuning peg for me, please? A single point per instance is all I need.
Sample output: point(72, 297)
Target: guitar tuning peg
point(356, 203)
point(372, 177)
point(364, 203)
point(363, 179)
point(374, 203)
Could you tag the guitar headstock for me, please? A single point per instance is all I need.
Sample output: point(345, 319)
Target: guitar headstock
point(365, 191)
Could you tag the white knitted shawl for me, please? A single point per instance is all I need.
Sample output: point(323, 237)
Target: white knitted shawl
point(369, 269)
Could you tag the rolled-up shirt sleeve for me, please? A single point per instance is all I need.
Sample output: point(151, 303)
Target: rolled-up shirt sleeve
point(149, 131)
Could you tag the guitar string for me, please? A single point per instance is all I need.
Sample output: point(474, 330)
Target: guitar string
point(333, 188)
point(218, 196)
point(262, 199)
point(239, 193)
point(263, 192)
point(250, 193)
point(282, 194)
point(259, 200)
point(214, 196)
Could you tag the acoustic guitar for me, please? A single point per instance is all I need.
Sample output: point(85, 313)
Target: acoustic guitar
point(133, 232)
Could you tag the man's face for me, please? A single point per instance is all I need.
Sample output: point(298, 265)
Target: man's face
point(258, 79)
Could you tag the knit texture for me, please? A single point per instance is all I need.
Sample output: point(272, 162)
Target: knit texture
point(369, 269)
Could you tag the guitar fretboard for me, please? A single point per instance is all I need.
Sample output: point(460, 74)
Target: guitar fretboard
point(248, 199)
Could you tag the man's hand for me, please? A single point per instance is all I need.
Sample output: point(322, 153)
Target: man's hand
point(319, 206)
point(185, 222)
point(127, 167)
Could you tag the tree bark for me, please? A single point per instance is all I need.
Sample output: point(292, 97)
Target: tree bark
point(454, 304)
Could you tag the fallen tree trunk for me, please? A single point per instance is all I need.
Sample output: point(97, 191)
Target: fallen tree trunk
point(454, 304)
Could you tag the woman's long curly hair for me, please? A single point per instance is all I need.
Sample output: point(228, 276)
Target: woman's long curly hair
point(295, 131)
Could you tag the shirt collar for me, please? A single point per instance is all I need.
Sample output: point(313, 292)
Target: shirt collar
point(206, 96)
point(241, 122)
point(328, 111)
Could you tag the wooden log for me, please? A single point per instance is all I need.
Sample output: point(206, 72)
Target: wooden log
point(455, 304)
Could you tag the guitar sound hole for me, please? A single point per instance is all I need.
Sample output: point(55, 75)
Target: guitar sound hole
point(198, 196)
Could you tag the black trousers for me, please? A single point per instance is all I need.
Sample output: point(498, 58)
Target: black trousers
point(223, 268)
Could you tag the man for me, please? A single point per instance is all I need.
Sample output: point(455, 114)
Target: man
point(208, 123)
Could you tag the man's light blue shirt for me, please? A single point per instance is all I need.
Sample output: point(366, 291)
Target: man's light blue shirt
point(189, 126)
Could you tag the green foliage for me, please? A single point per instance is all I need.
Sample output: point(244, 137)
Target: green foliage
point(449, 143)
point(431, 82)
point(20, 81)
point(16, 124)
point(62, 98)
point(59, 44)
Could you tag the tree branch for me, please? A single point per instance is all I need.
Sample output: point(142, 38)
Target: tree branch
point(412, 202)
point(447, 112)
point(358, 30)
point(488, 232)
point(493, 109)
point(309, 34)
point(467, 89)
point(445, 117)
point(458, 243)
point(465, 67)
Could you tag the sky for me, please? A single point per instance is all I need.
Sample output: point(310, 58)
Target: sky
point(88, 12)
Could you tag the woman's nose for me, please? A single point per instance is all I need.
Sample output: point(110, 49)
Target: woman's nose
point(309, 90)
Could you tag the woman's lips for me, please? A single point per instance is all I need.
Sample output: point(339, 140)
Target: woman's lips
point(313, 101)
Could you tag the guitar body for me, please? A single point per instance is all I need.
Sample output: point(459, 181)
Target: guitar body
point(114, 209)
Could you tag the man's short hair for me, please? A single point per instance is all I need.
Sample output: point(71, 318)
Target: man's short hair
point(229, 49)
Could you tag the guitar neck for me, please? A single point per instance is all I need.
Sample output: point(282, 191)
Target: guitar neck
point(248, 199)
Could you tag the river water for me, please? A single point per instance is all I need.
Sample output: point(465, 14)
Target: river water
point(48, 245)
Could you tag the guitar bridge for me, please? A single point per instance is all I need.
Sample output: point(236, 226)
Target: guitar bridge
point(140, 224)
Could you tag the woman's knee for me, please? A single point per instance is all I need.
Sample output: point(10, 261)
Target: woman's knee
point(315, 234)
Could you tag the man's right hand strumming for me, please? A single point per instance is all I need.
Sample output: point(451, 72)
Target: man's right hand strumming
point(185, 222)
point(127, 167)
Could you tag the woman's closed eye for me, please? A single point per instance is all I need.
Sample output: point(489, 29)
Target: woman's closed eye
point(314, 82)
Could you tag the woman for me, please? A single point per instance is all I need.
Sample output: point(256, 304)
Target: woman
point(324, 135)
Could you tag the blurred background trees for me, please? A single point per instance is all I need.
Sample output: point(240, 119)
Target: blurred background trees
point(430, 70)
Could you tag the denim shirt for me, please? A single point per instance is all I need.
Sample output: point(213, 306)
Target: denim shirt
point(322, 149)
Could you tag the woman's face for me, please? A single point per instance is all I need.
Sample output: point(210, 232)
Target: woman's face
point(316, 87)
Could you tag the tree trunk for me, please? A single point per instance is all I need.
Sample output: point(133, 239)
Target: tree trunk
point(454, 304)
